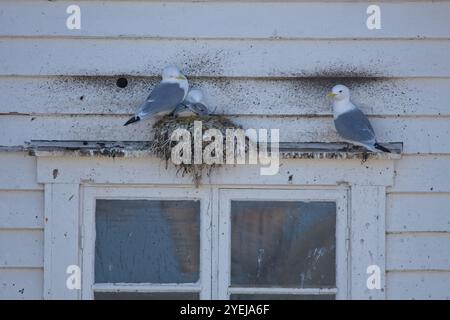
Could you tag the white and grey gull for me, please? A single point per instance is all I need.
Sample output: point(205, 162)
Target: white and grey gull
point(165, 97)
point(351, 123)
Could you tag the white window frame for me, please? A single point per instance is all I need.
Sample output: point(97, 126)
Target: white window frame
point(64, 233)
point(92, 193)
point(339, 196)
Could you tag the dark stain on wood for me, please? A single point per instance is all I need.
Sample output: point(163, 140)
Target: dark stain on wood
point(55, 173)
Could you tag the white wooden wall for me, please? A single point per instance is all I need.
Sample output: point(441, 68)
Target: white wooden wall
point(266, 64)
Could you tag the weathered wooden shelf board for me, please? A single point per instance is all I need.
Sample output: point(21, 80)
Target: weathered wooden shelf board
point(288, 150)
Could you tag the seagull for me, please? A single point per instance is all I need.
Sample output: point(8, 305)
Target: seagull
point(351, 123)
point(165, 97)
point(193, 105)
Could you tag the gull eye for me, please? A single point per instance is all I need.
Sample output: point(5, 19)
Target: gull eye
point(340, 91)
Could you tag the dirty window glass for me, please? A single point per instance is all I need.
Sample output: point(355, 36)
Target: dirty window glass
point(147, 241)
point(283, 244)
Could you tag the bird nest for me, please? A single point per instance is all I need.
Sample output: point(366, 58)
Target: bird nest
point(162, 143)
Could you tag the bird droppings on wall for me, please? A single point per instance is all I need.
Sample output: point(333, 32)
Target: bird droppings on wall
point(290, 178)
point(202, 64)
point(275, 96)
point(346, 71)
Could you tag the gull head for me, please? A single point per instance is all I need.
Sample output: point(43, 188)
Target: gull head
point(195, 96)
point(339, 92)
point(172, 73)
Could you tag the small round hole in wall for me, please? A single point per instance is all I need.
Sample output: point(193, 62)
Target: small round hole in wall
point(122, 82)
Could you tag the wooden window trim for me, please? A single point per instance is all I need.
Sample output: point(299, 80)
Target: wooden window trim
point(66, 178)
point(339, 196)
point(92, 193)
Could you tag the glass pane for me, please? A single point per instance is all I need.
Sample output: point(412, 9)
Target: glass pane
point(282, 297)
point(147, 241)
point(146, 296)
point(283, 244)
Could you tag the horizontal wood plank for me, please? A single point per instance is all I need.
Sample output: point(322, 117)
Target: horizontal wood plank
point(21, 284)
point(21, 248)
point(418, 251)
point(18, 171)
point(418, 285)
point(21, 209)
point(228, 58)
point(226, 20)
point(302, 96)
point(418, 212)
point(422, 173)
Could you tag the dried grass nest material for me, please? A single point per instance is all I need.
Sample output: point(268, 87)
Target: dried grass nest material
point(162, 145)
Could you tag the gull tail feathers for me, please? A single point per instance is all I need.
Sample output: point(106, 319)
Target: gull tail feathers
point(381, 148)
point(132, 120)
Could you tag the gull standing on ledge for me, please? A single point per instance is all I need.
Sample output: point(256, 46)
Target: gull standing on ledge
point(351, 123)
point(165, 97)
point(193, 105)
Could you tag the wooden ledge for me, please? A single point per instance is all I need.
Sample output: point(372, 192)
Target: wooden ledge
point(288, 150)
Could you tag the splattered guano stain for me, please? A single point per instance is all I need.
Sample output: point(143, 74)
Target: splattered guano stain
point(104, 152)
point(202, 64)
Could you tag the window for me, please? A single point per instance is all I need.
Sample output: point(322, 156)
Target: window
point(147, 244)
point(283, 244)
point(176, 243)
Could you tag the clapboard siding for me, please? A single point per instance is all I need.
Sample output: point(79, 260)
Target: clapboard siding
point(226, 58)
point(21, 248)
point(419, 135)
point(232, 96)
point(422, 173)
point(21, 209)
point(227, 20)
point(269, 71)
point(18, 170)
point(416, 212)
point(418, 251)
point(418, 285)
point(21, 284)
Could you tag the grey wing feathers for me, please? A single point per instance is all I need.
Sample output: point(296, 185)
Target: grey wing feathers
point(199, 109)
point(192, 109)
point(354, 126)
point(162, 100)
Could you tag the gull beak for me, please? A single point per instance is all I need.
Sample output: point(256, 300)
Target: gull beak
point(181, 77)
point(331, 95)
